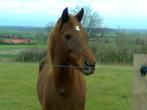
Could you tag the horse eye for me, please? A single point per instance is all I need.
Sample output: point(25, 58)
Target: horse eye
point(67, 36)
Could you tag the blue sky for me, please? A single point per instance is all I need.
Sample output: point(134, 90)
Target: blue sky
point(115, 13)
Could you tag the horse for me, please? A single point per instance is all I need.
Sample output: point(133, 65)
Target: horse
point(61, 84)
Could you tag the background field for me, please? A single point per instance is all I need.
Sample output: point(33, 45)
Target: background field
point(21, 48)
point(108, 89)
point(108, 45)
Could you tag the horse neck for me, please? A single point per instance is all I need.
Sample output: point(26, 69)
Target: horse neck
point(63, 77)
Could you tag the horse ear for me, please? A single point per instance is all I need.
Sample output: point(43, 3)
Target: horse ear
point(64, 16)
point(79, 16)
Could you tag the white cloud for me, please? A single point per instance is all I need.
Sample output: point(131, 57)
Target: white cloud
point(33, 7)
point(121, 7)
point(110, 10)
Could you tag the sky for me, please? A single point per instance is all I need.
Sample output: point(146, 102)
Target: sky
point(115, 13)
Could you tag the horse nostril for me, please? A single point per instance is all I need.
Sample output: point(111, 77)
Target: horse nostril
point(88, 64)
point(92, 65)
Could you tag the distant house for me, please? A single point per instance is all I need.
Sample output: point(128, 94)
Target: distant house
point(17, 41)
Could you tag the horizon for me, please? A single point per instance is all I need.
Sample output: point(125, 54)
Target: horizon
point(39, 13)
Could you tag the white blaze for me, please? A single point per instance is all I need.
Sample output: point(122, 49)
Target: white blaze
point(77, 28)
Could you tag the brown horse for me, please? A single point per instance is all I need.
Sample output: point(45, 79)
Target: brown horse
point(61, 85)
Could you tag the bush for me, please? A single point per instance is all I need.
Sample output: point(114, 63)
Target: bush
point(31, 55)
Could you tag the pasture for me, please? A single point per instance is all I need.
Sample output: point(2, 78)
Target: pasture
point(12, 51)
point(108, 89)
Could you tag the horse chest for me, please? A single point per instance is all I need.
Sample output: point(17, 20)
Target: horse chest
point(72, 88)
point(65, 103)
point(66, 99)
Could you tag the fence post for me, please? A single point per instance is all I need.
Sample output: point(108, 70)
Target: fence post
point(139, 83)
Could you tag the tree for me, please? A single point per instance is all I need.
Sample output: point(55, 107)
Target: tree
point(91, 21)
point(49, 26)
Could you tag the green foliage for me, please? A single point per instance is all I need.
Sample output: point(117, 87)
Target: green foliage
point(31, 55)
point(10, 52)
point(118, 49)
point(109, 88)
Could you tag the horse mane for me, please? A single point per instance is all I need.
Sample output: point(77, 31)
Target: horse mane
point(50, 55)
point(54, 42)
point(51, 37)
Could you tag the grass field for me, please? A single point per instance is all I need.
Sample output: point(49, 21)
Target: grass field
point(11, 51)
point(108, 89)
point(11, 47)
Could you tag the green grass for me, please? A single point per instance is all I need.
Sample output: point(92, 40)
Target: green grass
point(10, 47)
point(22, 32)
point(7, 55)
point(18, 86)
point(108, 89)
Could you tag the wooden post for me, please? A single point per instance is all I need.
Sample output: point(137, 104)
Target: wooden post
point(139, 83)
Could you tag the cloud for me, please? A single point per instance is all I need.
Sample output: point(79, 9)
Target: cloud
point(33, 6)
point(43, 11)
point(121, 7)
point(33, 12)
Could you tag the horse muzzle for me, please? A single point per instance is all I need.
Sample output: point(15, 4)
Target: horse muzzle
point(88, 68)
